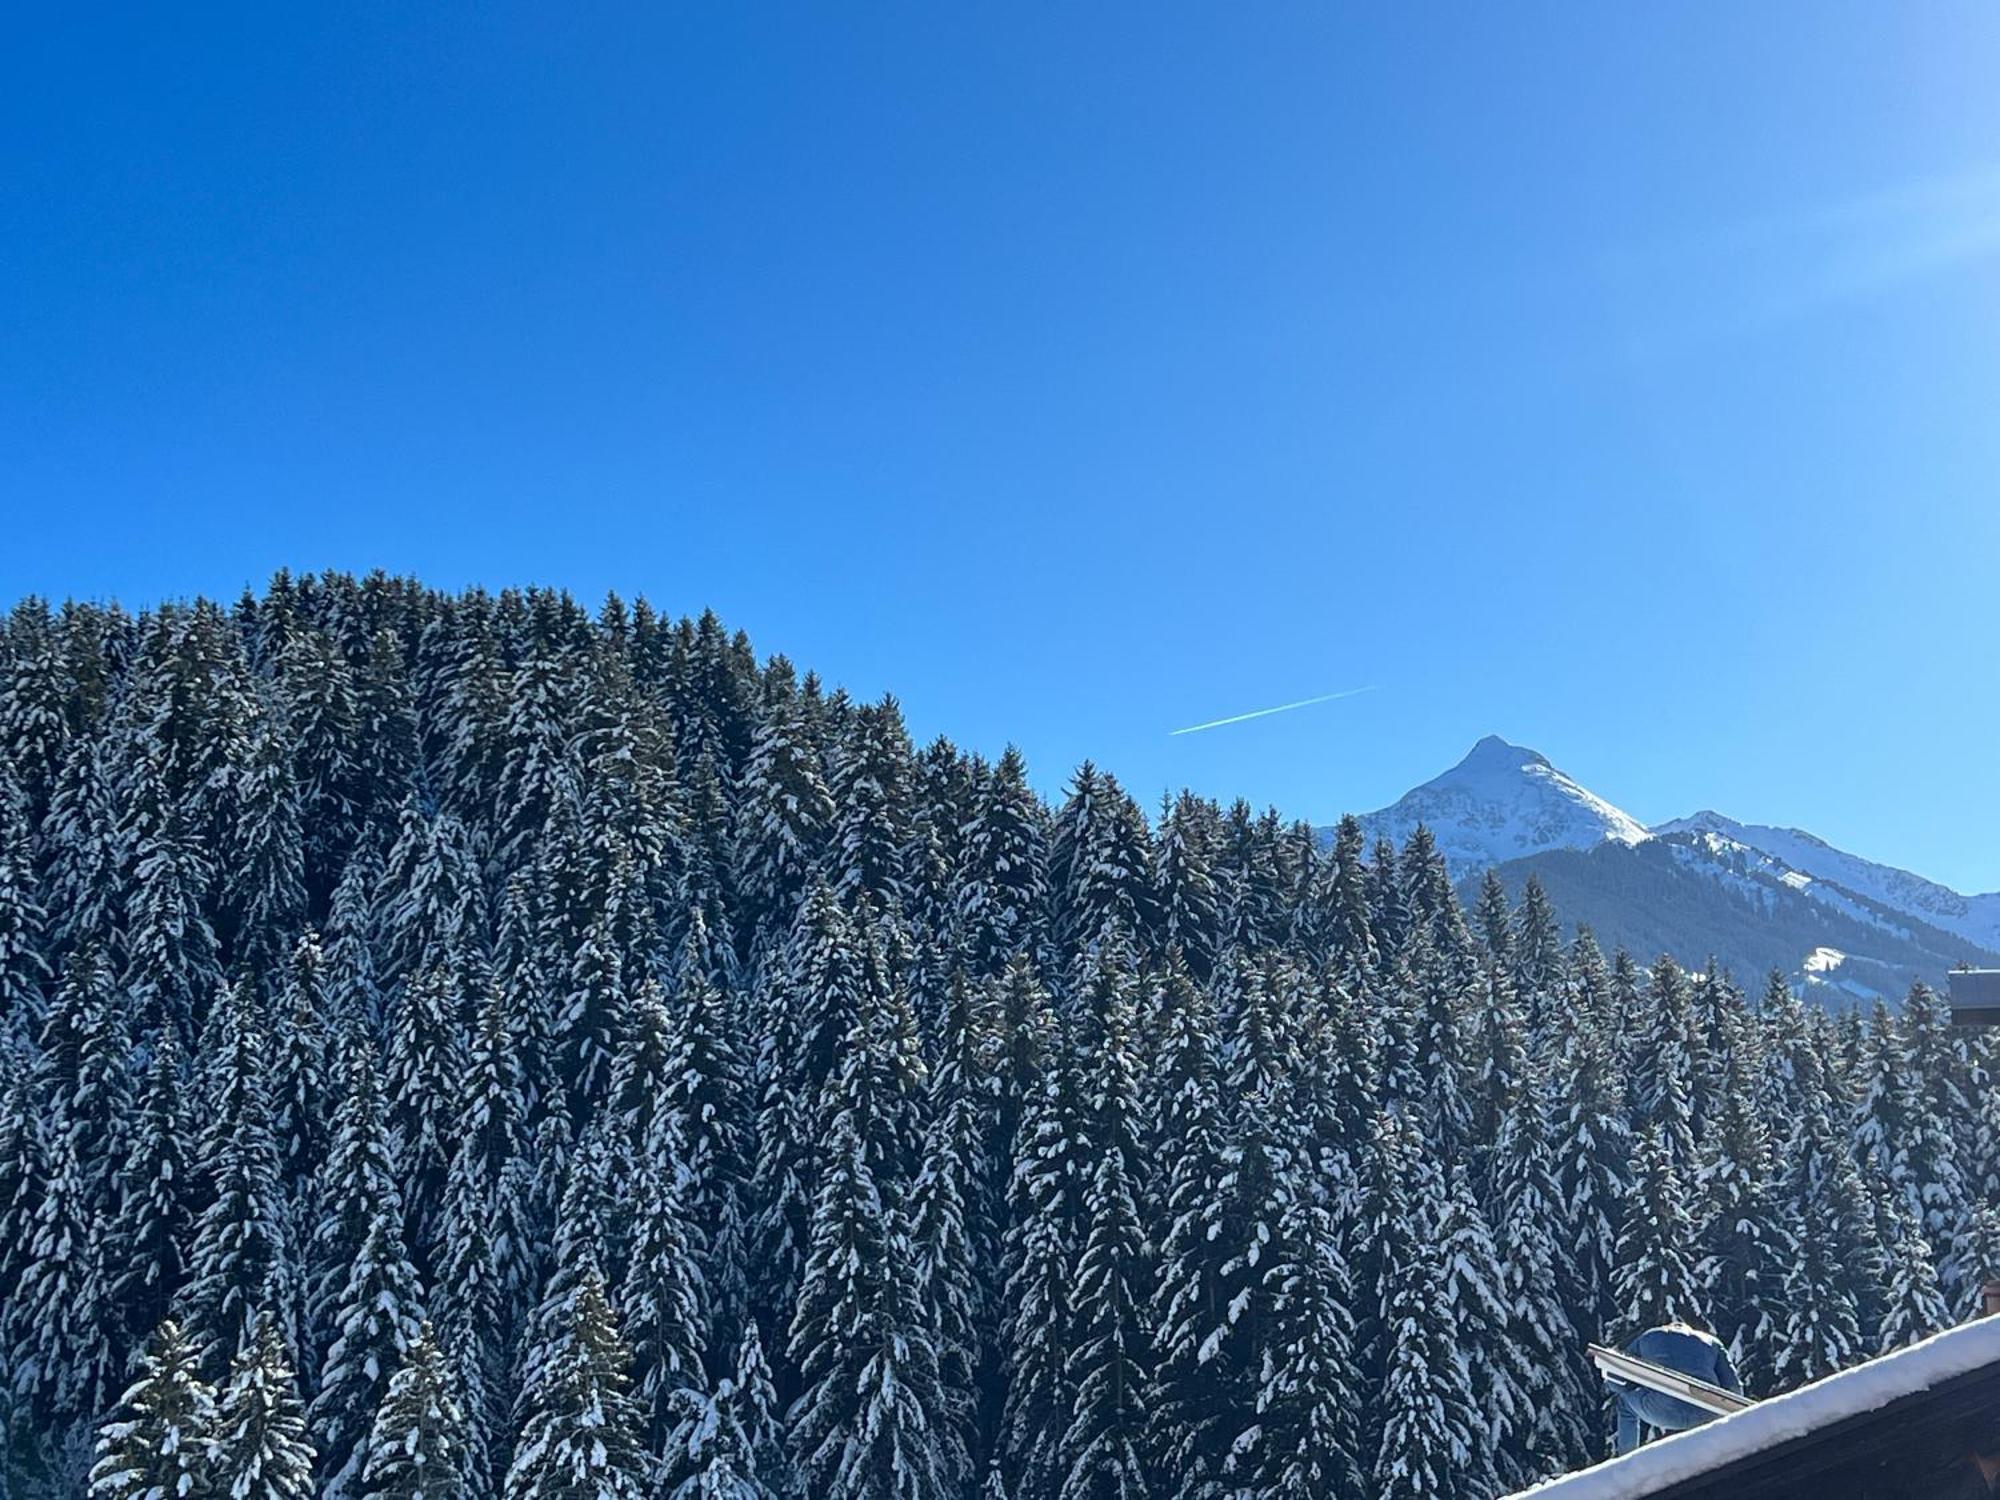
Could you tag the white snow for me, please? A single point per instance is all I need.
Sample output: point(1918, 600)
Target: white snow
point(1504, 802)
point(1700, 1450)
point(1823, 961)
point(1975, 918)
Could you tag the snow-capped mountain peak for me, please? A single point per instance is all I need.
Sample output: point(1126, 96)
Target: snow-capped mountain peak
point(1502, 802)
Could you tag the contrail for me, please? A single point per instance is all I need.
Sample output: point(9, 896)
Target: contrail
point(1282, 708)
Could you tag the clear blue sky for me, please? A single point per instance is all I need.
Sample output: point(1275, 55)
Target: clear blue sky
point(1620, 379)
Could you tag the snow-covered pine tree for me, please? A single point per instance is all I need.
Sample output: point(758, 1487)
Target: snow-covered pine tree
point(1590, 1140)
point(1531, 1234)
point(502, 1053)
point(87, 1061)
point(947, 1269)
point(755, 1407)
point(263, 896)
point(1190, 906)
point(1540, 968)
point(430, 897)
point(423, 1076)
point(36, 694)
point(158, 1444)
point(707, 1089)
point(154, 1215)
point(356, 1175)
point(375, 1322)
point(1102, 1450)
point(322, 711)
point(1834, 1262)
point(1002, 889)
point(1742, 1238)
point(472, 1327)
point(85, 886)
point(589, 1239)
point(260, 1451)
point(418, 1447)
point(707, 1456)
point(1423, 1415)
point(24, 970)
point(171, 961)
point(1307, 1400)
point(663, 1292)
point(1497, 1368)
point(581, 1432)
point(863, 1426)
point(871, 795)
point(1100, 863)
point(354, 998)
point(1190, 1413)
point(1914, 1307)
point(242, 1238)
point(1655, 1279)
point(300, 1102)
point(1350, 930)
point(59, 1313)
point(536, 765)
point(784, 817)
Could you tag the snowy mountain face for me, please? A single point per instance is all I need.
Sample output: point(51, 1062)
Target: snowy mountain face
point(1504, 802)
point(1754, 897)
point(1974, 918)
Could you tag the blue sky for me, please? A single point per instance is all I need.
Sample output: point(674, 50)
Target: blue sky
point(1618, 379)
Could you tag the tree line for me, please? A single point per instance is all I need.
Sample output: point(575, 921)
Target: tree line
point(471, 1046)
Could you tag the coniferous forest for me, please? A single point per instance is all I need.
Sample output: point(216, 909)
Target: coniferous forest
point(474, 1046)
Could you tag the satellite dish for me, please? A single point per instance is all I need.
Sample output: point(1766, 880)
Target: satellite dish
point(1669, 1378)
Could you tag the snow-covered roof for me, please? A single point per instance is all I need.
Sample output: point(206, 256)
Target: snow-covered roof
point(1699, 1451)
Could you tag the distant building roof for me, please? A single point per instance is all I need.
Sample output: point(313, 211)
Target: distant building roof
point(1898, 1425)
point(1975, 997)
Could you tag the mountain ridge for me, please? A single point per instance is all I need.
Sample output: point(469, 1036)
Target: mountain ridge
point(1757, 896)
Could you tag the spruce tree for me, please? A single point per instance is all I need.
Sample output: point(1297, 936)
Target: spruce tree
point(1002, 884)
point(783, 819)
point(864, 1424)
point(663, 1291)
point(1914, 1307)
point(1590, 1141)
point(1045, 1204)
point(1834, 1262)
point(1308, 1397)
point(59, 1313)
point(1529, 1227)
point(1655, 1279)
point(468, 1310)
point(1423, 1416)
point(260, 1446)
point(243, 1237)
point(418, 1447)
point(1103, 1446)
point(1743, 1242)
point(581, 1434)
point(1497, 1368)
point(24, 970)
point(947, 1267)
point(159, 1444)
point(376, 1321)
point(154, 1212)
point(300, 1097)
